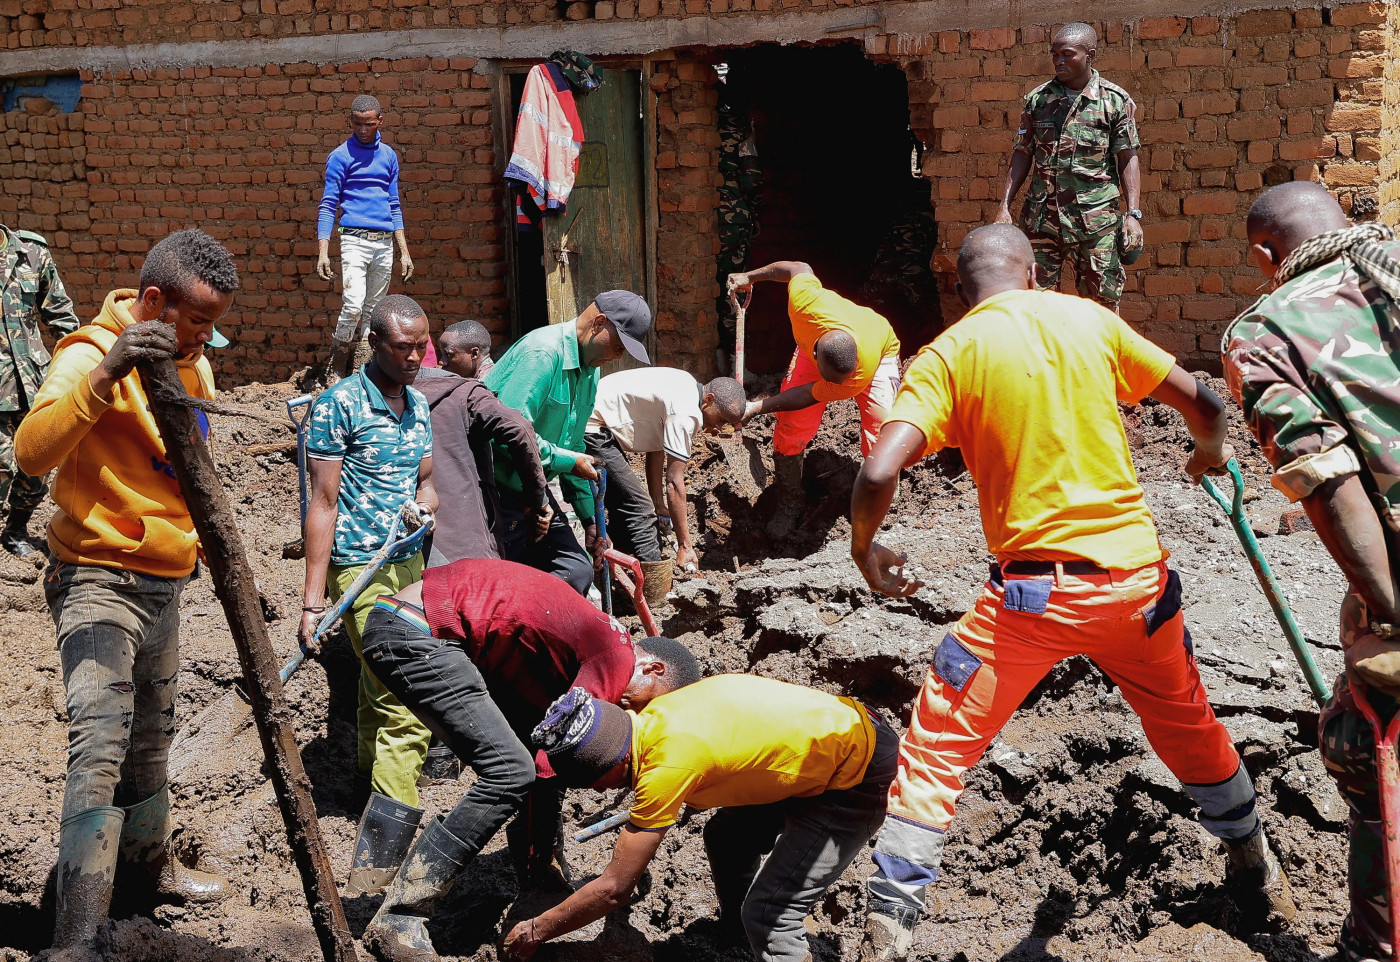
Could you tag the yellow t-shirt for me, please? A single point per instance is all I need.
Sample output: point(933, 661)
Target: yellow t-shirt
point(743, 740)
point(1027, 385)
point(815, 311)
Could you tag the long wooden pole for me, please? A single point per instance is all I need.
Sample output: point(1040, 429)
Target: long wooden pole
point(238, 593)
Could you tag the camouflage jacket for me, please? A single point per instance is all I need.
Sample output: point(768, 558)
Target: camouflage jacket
point(30, 294)
point(738, 163)
point(1073, 141)
point(1316, 367)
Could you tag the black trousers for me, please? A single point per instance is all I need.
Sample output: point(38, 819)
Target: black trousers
point(438, 682)
point(558, 552)
point(631, 514)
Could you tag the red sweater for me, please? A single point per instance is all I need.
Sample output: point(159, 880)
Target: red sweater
point(526, 631)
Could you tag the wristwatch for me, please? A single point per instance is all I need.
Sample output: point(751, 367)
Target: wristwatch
point(1135, 213)
point(1384, 631)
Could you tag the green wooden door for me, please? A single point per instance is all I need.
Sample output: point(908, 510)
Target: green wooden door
point(604, 229)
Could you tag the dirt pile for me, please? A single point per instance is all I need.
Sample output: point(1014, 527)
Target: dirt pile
point(1072, 840)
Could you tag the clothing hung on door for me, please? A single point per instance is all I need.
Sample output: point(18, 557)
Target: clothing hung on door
point(548, 136)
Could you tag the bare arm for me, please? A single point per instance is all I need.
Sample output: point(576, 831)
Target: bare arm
point(405, 261)
point(1346, 521)
point(793, 399)
point(1016, 175)
point(1130, 175)
point(427, 494)
point(675, 503)
point(606, 893)
point(783, 271)
point(321, 511)
point(899, 445)
point(1205, 418)
point(655, 463)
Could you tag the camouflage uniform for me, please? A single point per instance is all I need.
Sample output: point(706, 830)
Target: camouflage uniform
point(738, 206)
point(1317, 378)
point(31, 294)
point(1071, 207)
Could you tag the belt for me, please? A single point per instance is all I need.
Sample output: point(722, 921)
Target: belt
point(1048, 568)
point(366, 234)
point(412, 614)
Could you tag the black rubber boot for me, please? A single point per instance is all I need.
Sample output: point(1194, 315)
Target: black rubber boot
point(386, 831)
point(14, 537)
point(145, 848)
point(788, 469)
point(399, 930)
point(1257, 883)
point(342, 355)
point(889, 933)
point(87, 864)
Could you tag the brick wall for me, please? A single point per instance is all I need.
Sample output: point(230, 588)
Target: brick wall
point(240, 154)
point(687, 181)
point(1390, 123)
point(1225, 105)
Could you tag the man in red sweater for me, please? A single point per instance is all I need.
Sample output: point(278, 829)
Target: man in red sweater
point(478, 650)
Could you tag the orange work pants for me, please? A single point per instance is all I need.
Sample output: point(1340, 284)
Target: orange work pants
point(796, 429)
point(1129, 623)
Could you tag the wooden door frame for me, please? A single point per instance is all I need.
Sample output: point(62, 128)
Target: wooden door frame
point(504, 135)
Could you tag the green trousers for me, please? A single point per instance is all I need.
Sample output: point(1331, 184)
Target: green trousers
point(392, 741)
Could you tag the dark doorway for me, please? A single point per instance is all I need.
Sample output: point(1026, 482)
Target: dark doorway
point(840, 185)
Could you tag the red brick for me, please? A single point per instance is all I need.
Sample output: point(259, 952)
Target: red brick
point(1157, 28)
point(1259, 23)
point(1211, 202)
point(1354, 14)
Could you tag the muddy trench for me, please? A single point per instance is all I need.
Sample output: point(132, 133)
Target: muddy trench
point(1072, 840)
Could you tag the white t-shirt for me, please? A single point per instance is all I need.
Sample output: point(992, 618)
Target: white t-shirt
point(649, 409)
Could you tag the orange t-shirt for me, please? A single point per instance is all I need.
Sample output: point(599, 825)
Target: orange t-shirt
point(815, 311)
point(1027, 384)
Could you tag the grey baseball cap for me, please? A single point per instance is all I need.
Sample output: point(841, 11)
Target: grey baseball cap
point(632, 318)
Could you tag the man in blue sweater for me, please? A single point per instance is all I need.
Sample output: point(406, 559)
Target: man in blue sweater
point(362, 182)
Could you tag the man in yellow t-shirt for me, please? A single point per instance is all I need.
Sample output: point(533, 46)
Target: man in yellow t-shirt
point(843, 351)
point(797, 774)
point(1027, 385)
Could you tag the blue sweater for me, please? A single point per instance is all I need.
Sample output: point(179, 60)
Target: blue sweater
point(364, 183)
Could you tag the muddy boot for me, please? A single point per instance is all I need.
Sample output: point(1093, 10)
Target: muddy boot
point(788, 471)
point(399, 931)
point(889, 933)
point(14, 538)
point(386, 831)
point(1256, 882)
point(657, 577)
point(339, 364)
point(88, 843)
point(440, 765)
point(145, 847)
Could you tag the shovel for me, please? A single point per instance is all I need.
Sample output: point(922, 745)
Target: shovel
point(301, 418)
point(600, 490)
point(225, 718)
point(741, 453)
point(1240, 522)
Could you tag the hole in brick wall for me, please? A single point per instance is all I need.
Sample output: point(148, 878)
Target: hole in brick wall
point(839, 188)
point(41, 93)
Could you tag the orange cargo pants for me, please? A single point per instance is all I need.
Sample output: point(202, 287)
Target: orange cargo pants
point(1129, 623)
point(796, 429)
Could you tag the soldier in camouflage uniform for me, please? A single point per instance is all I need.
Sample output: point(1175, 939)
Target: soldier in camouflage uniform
point(1078, 142)
point(30, 295)
point(1313, 365)
point(738, 205)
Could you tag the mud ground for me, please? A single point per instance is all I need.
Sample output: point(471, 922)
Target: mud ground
point(1072, 841)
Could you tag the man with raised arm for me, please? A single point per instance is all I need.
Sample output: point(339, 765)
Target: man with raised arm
point(1027, 385)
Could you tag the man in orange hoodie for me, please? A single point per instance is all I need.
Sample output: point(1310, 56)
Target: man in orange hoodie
point(123, 546)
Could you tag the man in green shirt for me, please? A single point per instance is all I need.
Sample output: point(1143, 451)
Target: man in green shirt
point(551, 376)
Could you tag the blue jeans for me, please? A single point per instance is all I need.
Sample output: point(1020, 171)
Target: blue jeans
point(557, 553)
point(119, 646)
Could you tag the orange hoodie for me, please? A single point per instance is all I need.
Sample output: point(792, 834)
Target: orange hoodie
point(119, 505)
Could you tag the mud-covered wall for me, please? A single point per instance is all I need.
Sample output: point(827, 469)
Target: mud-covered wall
point(1390, 122)
point(1226, 105)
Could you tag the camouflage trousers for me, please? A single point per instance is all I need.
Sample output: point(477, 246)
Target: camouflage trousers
point(1349, 753)
point(19, 490)
point(1098, 269)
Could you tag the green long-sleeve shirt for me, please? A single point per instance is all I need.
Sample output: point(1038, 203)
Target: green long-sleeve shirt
point(540, 376)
